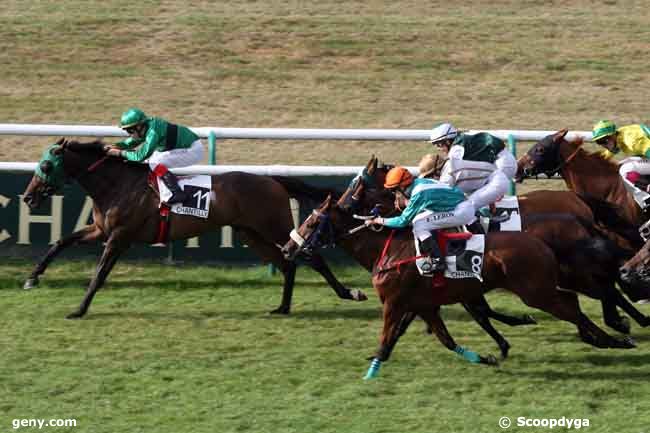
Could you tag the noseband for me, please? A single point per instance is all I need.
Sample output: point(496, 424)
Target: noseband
point(322, 236)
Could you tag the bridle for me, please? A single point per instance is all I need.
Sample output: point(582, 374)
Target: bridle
point(561, 162)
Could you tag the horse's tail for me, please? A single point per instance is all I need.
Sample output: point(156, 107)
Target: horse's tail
point(609, 215)
point(300, 190)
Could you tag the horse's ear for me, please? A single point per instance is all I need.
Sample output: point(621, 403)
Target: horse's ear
point(60, 141)
point(57, 150)
point(328, 202)
point(560, 134)
point(372, 164)
point(46, 167)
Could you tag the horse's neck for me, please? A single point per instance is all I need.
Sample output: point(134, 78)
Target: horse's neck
point(111, 181)
point(587, 174)
point(366, 246)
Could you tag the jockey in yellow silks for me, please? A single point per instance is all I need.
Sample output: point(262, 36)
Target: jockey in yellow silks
point(633, 141)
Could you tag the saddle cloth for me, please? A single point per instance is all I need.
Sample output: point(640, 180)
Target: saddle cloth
point(463, 255)
point(198, 195)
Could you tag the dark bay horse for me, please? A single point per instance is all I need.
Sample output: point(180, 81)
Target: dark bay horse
point(515, 261)
point(588, 259)
point(125, 211)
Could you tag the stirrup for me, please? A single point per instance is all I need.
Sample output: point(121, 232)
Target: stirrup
point(177, 197)
point(438, 264)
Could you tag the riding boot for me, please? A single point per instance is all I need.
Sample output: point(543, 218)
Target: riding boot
point(430, 246)
point(476, 227)
point(170, 181)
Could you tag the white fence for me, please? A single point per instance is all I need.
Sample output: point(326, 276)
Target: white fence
point(260, 133)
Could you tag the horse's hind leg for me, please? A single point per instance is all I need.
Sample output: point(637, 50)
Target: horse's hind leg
point(317, 263)
point(483, 307)
point(435, 322)
point(269, 252)
point(88, 234)
point(565, 306)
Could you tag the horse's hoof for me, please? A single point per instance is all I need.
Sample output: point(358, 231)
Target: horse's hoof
point(625, 343)
point(489, 360)
point(30, 283)
point(504, 352)
point(529, 320)
point(622, 325)
point(75, 315)
point(281, 310)
point(358, 295)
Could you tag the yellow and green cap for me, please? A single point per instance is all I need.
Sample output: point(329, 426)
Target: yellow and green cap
point(602, 129)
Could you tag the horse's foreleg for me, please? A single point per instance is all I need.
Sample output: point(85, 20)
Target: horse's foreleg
point(635, 314)
point(396, 322)
point(318, 264)
point(481, 318)
point(611, 316)
point(435, 322)
point(88, 234)
point(110, 255)
point(483, 307)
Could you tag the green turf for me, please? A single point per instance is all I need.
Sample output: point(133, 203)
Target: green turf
point(193, 349)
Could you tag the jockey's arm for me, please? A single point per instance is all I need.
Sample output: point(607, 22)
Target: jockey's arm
point(404, 219)
point(143, 152)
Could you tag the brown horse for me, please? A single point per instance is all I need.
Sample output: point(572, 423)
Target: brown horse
point(588, 261)
point(516, 261)
point(588, 174)
point(126, 211)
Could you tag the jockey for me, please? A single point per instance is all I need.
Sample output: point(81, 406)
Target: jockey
point(165, 144)
point(480, 165)
point(429, 205)
point(634, 141)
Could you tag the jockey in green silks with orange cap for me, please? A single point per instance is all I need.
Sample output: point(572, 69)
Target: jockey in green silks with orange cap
point(163, 144)
point(633, 141)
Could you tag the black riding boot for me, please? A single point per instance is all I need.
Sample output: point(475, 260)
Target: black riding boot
point(170, 181)
point(430, 246)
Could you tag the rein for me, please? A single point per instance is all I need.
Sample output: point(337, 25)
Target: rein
point(396, 264)
point(564, 163)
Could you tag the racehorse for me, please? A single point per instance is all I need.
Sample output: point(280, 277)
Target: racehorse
point(516, 261)
point(588, 174)
point(588, 262)
point(125, 211)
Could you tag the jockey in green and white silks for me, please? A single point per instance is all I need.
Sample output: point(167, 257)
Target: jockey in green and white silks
point(633, 141)
point(163, 144)
point(479, 165)
point(428, 205)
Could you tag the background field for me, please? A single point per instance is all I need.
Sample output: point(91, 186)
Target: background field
point(192, 349)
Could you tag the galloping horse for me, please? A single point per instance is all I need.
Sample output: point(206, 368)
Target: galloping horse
point(125, 211)
point(587, 174)
point(591, 270)
point(516, 261)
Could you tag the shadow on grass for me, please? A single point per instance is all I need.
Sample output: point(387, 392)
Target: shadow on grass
point(346, 313)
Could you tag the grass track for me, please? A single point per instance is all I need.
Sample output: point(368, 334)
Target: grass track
point(192, 349)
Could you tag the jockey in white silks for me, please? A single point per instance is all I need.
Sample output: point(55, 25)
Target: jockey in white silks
point(479, 165)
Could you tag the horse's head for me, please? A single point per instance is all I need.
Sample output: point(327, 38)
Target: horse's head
point(372, 177)
point(60, 162)
point(316, 231)
point(48, 178)
point(636, 274)
point(543, 157)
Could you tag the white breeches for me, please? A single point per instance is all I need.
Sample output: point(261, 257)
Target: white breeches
point(507, 163)
point(495, 188)
point(424, 222)
point(641, 166)
point(468, 176)
point(178, 157)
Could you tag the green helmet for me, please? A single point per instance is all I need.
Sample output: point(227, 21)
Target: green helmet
point(132, 117)
point(603, 129)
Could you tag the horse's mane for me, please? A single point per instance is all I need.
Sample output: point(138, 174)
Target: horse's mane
point(96, 148)
point(596, 159)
